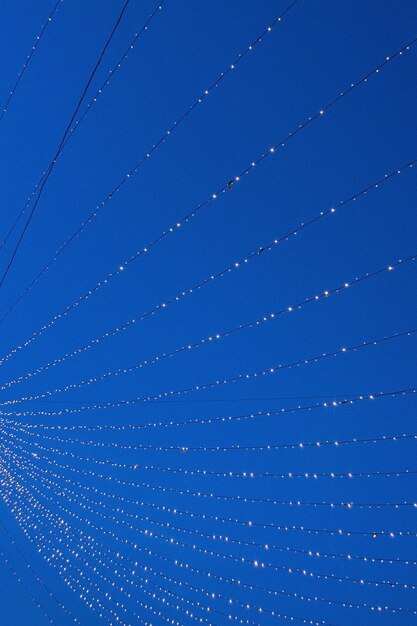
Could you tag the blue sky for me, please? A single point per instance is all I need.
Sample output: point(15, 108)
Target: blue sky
point(315, 53)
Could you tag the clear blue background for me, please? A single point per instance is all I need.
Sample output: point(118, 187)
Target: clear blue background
point(317, 51)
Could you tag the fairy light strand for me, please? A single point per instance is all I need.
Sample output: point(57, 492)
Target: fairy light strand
point(24, 68)
point(226, 473)
point(82, 575)
point(78, 121)
point(209, 574)
point(212, 338)
point(250, 523)
point(213, 420)
point(237, 378)
point(78, 584)
point(55, 157)
point(224, 497)
point(38, 578)
point(34, 473)
point(241, 560)
point(252, 255)
point(29, 429)
point(147, 155)
point(34, 600)
point(361, 581)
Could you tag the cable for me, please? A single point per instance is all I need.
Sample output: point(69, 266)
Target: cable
point(267, 247)
point(277, 368)
point(193, 515)
point(224, 473)
point(54, 159)
point(213, 338)
point(86, 111)
point(155, 146)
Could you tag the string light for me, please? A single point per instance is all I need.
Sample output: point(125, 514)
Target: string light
point(147, 155)
point(81, 574)
point(241, 560)
point(339, 532)
point(246, 376)
point(14, 573)
point(248, 474)
point(64, 136)
point(337, 443)
point(221, 497)
point(77, 122)
point(33, 471)
point(24, 67)
point(187, 566)
point(62, 511)
point(114, 69)
point(85, 596)
point(213, 338)
point(38, 578)
point(212, 420)
point(236, 265)
point(125, 541)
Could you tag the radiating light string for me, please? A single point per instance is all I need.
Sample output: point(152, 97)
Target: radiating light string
point(237, 378)
point(136, 564)
point(226, 473)
point(212, 338)
point(226, 497)
point(107, 580)
point(339, 532)
point(56, 155)
point(147, 155)
point(323, 444)
point(67, 576)
point(250, 256)
point(212, 420)
point(148, 581)
point(34, 599)
point(361, 581)
point(38, 578)
point(35, 473)
point(241, 560)
point(213, 575)
point(24, 67)
point(77, 122)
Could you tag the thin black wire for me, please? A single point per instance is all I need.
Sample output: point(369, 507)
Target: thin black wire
point(54, 160)
point(82, 117)
point(227, 418)
point(278, 368)
point(161, 140)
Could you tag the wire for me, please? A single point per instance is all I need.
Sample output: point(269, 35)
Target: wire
point(155, 146)
point(82, 117)
point(254, 254)
point(54, 160)
point(277, 368)
point(211, 339)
